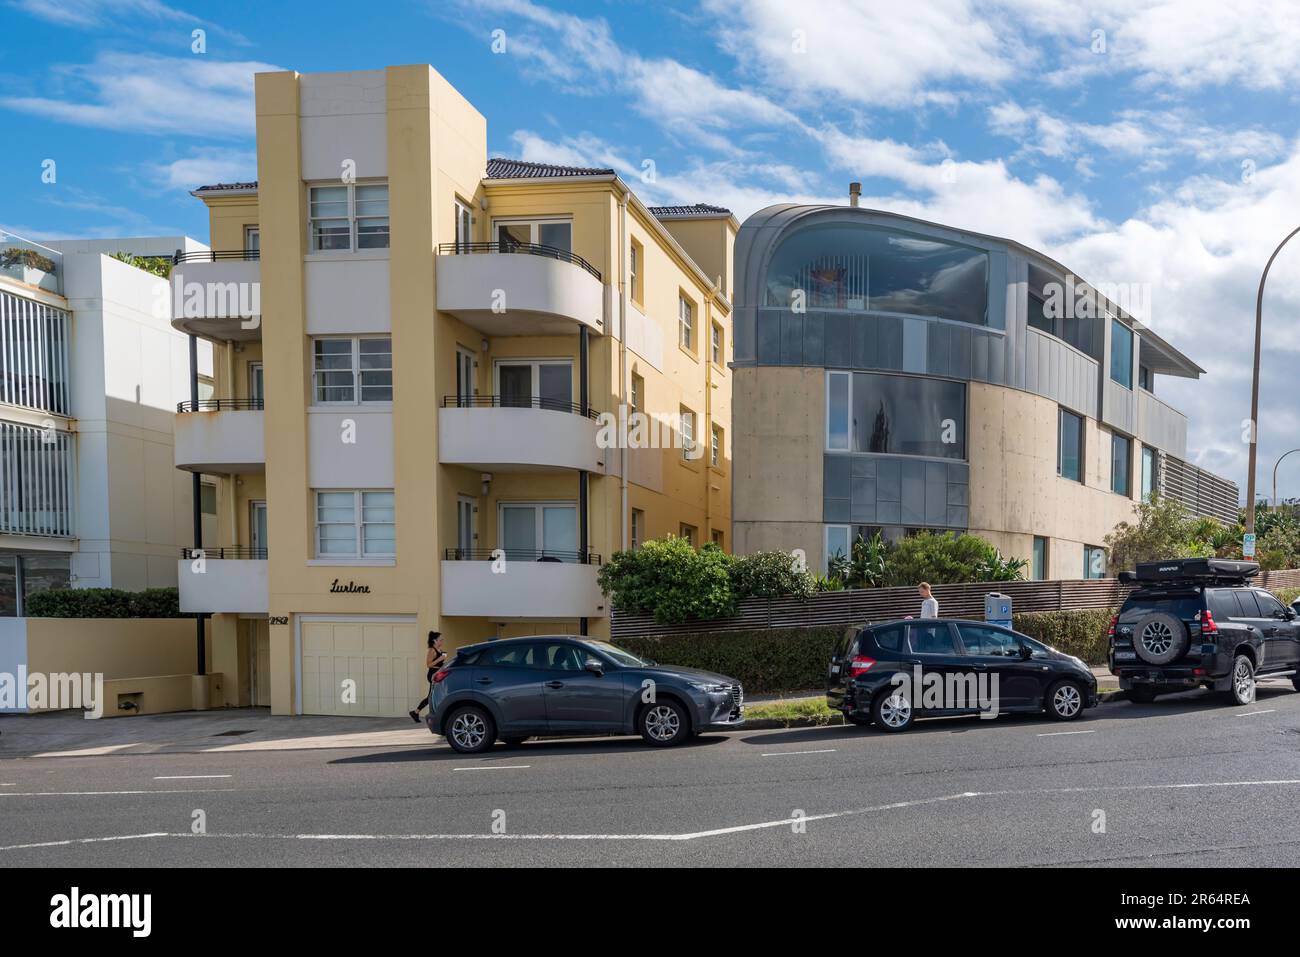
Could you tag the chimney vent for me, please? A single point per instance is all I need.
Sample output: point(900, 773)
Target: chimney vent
point(855, 192)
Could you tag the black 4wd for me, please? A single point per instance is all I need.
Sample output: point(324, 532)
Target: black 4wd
point(1199, 622)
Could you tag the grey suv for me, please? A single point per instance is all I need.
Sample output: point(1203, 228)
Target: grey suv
point(517, 688)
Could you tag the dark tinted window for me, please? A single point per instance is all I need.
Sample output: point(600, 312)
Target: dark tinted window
point(509, 656)
point(907, 415)
point(1249, 608)
point(1069, 446)
point(981, 640)
point(890, 639)
point(1222, 605)
point(1185, 606)
point(931, 640)
point(561, 656)
point(1269, 606)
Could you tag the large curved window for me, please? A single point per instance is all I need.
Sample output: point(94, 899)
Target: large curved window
point(895, 414)
point(879, 270)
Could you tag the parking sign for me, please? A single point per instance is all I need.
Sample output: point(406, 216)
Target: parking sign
point(1248, 545)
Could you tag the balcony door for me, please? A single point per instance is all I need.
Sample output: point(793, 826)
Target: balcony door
point(465, 533)
point(539, 531)
point(556, 235)
point(535, 383)
point(257, 528)
point(255, 384)
point(464, 377)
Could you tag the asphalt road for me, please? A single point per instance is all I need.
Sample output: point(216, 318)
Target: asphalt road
point(1186, 781)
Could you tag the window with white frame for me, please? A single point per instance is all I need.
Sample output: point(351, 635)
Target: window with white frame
point(715, 344)
point(686, 323)
point(355, 523)
point(715, 447)
point(688, 432)
point(634, 271)
point(352, 371)
point(348, 218)
point(638, 528)
point(539, 531)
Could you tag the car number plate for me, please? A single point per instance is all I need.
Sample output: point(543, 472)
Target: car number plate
point(1154, 676)
point(835, 669)
point(1125, 655)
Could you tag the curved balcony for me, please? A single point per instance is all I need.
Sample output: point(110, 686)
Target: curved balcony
point(537, 585)
point(223, 580)
point(504, 433)
point(220, 435)
point(521, 289)
point(217, 294)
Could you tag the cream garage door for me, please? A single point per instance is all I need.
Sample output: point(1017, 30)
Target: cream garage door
point(382, 660)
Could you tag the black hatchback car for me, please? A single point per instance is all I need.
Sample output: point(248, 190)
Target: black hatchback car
point(888, 673)
point(1200, 622)
point(517, 688)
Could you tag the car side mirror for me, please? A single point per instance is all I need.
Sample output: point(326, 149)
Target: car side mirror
point(594, 666)
point(1288, 614)
point(1026, 652)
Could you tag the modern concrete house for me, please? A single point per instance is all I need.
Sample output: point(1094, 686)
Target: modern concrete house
point(415, 346)
point(90, 373)
point(893, 374)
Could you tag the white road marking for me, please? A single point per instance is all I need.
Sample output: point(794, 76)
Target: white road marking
point(21, 794)
point(187, 777)
point(1053, 734)
point(1247, 714)
point(8, 785)
point(689, 836)
point(777, 754)
point(496, 767)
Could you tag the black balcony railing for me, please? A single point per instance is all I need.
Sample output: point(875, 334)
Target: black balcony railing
point(231, 554)
point(521, 555)
point(515, 402)
point(216, 255)
point(222, 405)
point(526, 249)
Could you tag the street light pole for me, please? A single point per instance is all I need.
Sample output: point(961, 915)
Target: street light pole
point(1254, 388)
point(1275, 465)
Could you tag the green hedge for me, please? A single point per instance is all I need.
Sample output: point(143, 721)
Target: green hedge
point(104, 603)
point(765, 662)
point(795, 659)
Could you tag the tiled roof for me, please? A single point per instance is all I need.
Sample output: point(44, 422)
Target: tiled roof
point(218, 187)
point(499, 168)
point(697, 209)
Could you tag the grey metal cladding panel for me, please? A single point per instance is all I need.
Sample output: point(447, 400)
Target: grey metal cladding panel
point(889, 343)
point(1120, 407)
point(958, 473)
point(958, 494)
point(888, 480)
point(769, 337)
point(835, 476)
point(959, 359)
point(742, 335)
point(863, 467)
point(979, 367)
point(862, 335)
point(862, 490)
point(862, 511)
point(836, 335)
point(889, 513)
point(957, 517)
point(792, 339)
point(936, 493)
point(913, 476)
point(836, 510)
point(997, 360)
point(814, 348)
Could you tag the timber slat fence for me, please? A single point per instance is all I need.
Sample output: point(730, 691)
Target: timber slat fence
point(882, 604)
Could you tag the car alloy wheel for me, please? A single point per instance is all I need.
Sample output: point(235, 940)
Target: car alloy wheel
point(1067, 701)
point(1243, 681)
point(1157, 638)
point(662, 723)
point(896, 710)
point(468, 729)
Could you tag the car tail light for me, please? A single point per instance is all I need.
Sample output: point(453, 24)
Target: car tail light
point(1208, 627)
point(437, 679)
point(1111, 632)
point(860, 664)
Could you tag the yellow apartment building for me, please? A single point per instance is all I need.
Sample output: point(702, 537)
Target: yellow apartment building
point(418, 352)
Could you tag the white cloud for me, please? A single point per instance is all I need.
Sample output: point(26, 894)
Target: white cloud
point(147, 93)
point(206, 167)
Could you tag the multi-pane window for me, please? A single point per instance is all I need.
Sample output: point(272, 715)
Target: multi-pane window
point(638, 393)
point(715, 447)
point(634, 271)
point(355, 524)
point(34, 342)
point(1148, 472)
point(686, 323)
point(687, 532)
point(351, 371)
point(208, 498)
point(638, 528)
point(688, 432)
point(348, 217)
point(1069, 446)
point(1120, 462)
point(554, 234)
point(716, 537)
point(715, 344)
point(1094, 561)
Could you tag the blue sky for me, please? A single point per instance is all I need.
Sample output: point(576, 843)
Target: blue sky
point(1137, 141)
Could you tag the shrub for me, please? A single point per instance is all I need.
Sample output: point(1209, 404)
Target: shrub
point(1161, 529)
point(104, 603)
point(1082, 633)
point(770, 575)
point(765, 662)
point(944, 559)
point(20, 256)
point(1286, 595)
point(671, 580)
point(160, 266)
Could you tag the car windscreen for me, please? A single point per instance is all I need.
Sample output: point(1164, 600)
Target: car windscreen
point(1182, 605)
point(621, 655)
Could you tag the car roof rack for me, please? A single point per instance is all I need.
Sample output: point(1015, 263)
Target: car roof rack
point(1192, 571)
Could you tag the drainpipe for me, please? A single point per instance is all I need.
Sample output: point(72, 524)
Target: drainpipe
point(708, 414)
point(197, 493)
point(584, 347)
point(624, 255)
